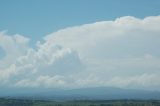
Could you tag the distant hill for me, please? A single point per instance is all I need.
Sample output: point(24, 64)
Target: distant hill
point(95, 93)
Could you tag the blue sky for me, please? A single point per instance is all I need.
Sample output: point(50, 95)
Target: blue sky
point(80, 43)
point(36, 18)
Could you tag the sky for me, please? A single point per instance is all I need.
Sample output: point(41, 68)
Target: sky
point(80, 43)
point(37, 18)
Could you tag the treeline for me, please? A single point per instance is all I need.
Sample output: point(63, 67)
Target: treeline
point(27, 102)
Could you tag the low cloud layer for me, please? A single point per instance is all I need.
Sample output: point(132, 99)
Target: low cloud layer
point(121, 53)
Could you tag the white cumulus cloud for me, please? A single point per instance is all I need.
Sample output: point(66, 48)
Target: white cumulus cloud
point(122, 53)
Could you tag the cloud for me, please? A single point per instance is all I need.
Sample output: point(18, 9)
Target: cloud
point(144, 81)
point(122, 53)
point(13, 46)
point(47, 81)
point(34, 66)
point(122, 37)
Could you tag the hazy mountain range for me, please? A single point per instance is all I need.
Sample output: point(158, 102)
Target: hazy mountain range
point(94, 93)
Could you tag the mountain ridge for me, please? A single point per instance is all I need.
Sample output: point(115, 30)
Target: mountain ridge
point(92, 93)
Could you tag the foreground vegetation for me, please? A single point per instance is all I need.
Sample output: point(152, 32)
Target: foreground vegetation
point(27, 102)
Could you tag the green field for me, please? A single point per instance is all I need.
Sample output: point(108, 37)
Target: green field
point(27, 102)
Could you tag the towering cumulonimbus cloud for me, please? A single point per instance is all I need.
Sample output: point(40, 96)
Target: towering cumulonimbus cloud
point(122, 53)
